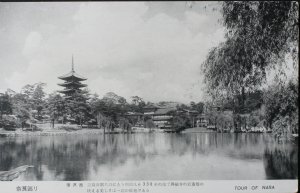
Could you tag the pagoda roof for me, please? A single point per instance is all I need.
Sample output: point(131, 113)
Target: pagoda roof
point(77, 84)
point(72, 75)
point(67, 91)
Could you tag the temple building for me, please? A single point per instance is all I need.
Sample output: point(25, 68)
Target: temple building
point(160, 115)
point(72, 83)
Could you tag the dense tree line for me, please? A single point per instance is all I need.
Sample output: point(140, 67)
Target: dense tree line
point(32, 105)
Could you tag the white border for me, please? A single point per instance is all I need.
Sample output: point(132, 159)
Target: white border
point(207, 186)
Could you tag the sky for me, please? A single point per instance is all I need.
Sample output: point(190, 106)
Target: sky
point(150, 49)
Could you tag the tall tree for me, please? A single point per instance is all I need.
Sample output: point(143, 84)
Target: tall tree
point(38, 98)
point(56, 107)
point(35, 97)
point(28, 90)
point(137, 104)
point(5, 104)
point(259, 35)
point(197, 106)
point(21, 107)
point(38, 93)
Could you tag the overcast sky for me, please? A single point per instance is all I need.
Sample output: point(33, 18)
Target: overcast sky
point(150, 49)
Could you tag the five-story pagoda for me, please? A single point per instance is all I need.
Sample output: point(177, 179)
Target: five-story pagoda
point(72, 83)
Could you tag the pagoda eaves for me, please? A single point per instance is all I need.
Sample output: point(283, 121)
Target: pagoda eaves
point(74, 84)
point(72, 76)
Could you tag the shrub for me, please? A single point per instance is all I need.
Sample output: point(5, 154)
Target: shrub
point(8, 124)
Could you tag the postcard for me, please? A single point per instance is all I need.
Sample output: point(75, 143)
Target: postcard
point(149, 97)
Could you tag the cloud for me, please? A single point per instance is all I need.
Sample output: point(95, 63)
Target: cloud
point(119, 49)
point(32, 43)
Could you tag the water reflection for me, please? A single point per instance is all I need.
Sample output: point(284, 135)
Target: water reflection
point(150, 156)
point(281, 162)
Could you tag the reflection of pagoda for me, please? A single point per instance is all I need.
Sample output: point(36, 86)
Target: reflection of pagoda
point(72, 83)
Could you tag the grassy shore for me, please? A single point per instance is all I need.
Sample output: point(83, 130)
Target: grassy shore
point(64, 129)
point(46, 130)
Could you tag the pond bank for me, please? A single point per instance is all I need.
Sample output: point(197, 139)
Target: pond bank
point(48, 132)
point(67, 130)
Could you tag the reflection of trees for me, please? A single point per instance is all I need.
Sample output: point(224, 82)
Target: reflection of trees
point(72, 157)
point(235, 145)
point(281, 163)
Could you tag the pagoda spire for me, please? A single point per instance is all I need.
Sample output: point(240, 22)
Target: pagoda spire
point(73, 63)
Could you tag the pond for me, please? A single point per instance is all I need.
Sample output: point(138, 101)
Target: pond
point(151, 156)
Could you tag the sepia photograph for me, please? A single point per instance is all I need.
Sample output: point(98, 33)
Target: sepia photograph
point(146, 91)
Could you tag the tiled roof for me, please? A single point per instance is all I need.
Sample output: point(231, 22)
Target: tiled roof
point(72, 74)
point(163, 111)
point(72, 83)
point(191, 111)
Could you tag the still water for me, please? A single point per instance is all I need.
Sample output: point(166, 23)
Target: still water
point(156, 156)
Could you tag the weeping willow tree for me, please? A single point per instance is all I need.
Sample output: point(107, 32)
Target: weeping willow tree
point(259, 36)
